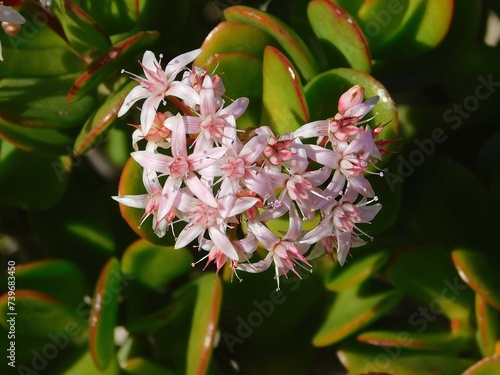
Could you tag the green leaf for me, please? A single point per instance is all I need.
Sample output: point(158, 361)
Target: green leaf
point(58, 278)
point(37, 50)
point(42, 141)
point(93, 132)
point(324, 91)
point(435, 341)
point(488, 326)
point(352, 310)
point(362, 267)
point(284, 105)
point(442, 291)
point(477, 269)
point(117, 16)
point(229, 37)
point(18, 189)
point(402, 28)
point(140, 366)
point(486, 366)
point(204, 323)
point(111, 62)
point(155, 266)
point(289, 41)
point(364, 359)
point(38, 314)
point(81, 363)
point(424, 25)
point(381, 20)
point(340, 36)
point(42, 103)
point(422, 70)
point(82, 32)
point(196, 305)
point(104, 315)
point(241, 82)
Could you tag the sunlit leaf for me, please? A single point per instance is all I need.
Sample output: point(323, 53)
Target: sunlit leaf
point(352, 310)
point(343, 41)
point(289, 41)
point(284, 105)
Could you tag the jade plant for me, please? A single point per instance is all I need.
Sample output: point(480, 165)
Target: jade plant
point(261, 187)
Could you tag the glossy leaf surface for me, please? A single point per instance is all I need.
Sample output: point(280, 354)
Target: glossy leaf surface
point(339, 34)
point(289, 41)
point(155, 266)
point(284, 105)
point(352, 310)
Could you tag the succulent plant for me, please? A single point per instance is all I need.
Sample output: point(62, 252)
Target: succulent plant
point(88, 285)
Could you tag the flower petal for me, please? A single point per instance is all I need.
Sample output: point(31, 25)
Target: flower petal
point(223, 243)
point(178, 63)
point(137, 93)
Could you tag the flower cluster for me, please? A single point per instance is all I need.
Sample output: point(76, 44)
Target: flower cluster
point(239, 191)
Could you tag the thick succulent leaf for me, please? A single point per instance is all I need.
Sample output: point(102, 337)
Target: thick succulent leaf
point(48, 142)
point(229, 37)
point(155, 266)
point(486, 366)
point(488, 326)
point(381, 20)
point(81, 362)
point(37, 50)
point(477, 269)
point(241, 82)
point(140, 366)
point(442, 291)
point(365, 265)
point(94, 130)
point(113, 60)
point(58, 278)
point(115, 16)
point(352, 310)
point(363, 359)
point(423, 27)
point(104, 315)
point(289, 41)
point(204, 323)
point(341, 37)
point(284, 105)
point(42, 103)
point(38, 314)
point(435, 341)
point(426, 68)
point(82, 32)
point(195, 305)
point(324, 91)
point(17, 188)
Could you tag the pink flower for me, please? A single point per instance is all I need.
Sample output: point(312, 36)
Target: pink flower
point(343, 127)
point(180, 167)
point(157, 85)
point(151, 201)
point(213, 117)
point(283, 252)
point(202, 217)
point(340, 219)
